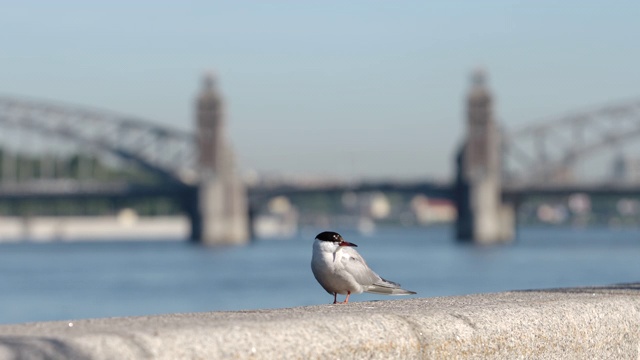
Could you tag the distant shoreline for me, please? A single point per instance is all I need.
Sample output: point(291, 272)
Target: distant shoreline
point(94, 228)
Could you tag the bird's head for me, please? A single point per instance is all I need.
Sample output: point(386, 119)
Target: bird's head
point(333, 237)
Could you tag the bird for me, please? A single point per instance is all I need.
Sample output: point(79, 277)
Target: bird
point(340, 269)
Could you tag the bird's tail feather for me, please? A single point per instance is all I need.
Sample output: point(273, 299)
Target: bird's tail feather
point(386, 287)
point(386, 291)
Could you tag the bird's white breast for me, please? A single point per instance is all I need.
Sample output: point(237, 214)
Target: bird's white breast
point(329, 269)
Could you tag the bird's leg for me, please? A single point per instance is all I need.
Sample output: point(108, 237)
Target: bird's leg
point(346, 301)
point(335, 298)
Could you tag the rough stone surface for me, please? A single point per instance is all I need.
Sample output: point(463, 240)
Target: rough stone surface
point(579, 323)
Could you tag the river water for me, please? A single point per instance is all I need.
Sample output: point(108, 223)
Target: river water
point(60, 281)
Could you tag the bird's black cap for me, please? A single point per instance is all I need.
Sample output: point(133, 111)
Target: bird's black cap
point(329, 236)
point(334, 237)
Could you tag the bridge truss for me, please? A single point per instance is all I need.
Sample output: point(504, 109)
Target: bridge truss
point(166, 152)
point(539, 153)
point(543, 153)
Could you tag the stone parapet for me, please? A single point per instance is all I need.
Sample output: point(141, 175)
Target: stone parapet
point(578, 323)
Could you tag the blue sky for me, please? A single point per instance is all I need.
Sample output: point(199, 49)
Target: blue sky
point(349, 89)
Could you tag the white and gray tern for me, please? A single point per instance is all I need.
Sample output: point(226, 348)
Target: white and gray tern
point(341, 270)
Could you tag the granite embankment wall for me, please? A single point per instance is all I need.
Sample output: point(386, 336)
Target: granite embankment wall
point(580, 323)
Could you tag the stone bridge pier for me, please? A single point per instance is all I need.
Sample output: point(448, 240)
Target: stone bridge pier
point(483, 218)
point(219, 210)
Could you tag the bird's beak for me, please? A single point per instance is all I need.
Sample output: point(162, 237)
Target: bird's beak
point(345, 243)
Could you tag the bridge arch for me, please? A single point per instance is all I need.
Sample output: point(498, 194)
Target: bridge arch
point(542, 152)
point(166, 152)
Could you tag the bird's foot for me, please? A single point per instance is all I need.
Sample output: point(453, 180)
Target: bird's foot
point(346, 301)
point(335, 298)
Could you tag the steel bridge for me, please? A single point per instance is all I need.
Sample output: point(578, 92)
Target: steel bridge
point(166, 152)
point(543, 152)
point(535, 158)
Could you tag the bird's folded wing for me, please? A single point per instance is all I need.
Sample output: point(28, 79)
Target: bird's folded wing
point(372, 283)
point(357, 267)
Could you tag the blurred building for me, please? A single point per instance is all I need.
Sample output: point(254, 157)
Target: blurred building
point(430, 211)
point(375, 205)
point(279, 221)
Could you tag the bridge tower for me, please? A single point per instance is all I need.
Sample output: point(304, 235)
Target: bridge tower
point(221, 214)
point(482, 217)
